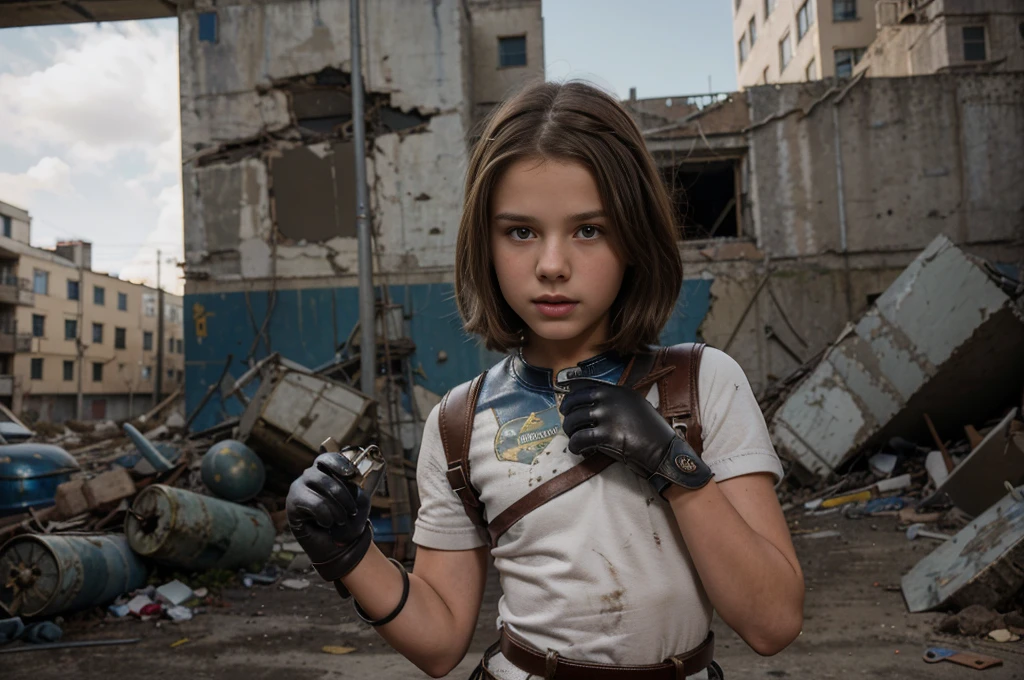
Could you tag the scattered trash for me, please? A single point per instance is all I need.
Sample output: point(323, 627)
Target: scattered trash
point(179, 643)
point(295, 583)
point(1003, 635)
point(119, 610)
point(179, 614)
point(828, 533)
point(915, 531)
point(969, 659)
point(42, 632)
point(883, 464)
point(69, 645)
point(11, 629)
point(201, 592)
point(138, 603)
point(334, 649)
point(174, 593)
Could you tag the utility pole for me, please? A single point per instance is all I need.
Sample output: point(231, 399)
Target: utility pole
point(159, 382)
point(367, 299)
point(79, 345)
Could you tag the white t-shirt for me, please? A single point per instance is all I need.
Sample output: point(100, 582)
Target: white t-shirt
point(600, 573)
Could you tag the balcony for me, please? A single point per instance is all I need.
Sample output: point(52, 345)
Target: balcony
point(23, 342)
point(6, 385)
point(15, 291)
point(7, 342)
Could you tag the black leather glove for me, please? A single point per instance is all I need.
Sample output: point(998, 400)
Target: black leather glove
point(329, 516)
point(619, 422)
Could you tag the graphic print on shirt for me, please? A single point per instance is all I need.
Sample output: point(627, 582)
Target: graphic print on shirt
point(522, 439)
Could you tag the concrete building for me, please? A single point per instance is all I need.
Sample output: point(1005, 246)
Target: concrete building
point(917, 37)
point(65, 328)
point(789, 41)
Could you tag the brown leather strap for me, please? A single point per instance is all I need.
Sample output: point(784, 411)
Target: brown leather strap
point(552, 666)
point(455, 421)
point(679, 390)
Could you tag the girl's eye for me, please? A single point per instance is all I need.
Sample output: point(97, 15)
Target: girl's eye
point(520, 233)
point(589, 231)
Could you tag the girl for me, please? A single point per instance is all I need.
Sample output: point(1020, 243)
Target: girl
point(567, 257)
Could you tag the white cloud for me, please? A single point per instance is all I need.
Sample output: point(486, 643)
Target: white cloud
point(142, 267)
point(49, 175)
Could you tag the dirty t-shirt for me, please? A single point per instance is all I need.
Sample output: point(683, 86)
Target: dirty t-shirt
point(600, 573)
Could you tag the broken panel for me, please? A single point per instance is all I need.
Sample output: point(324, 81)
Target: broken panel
point(704, 195)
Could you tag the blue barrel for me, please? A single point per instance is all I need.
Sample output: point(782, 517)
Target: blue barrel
point(194, 532)
point(30, 474)
point(232, 471)
point(47, 575)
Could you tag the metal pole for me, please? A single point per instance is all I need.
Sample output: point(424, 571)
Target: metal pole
point(158, 384)
point(79, 344)
point(367, 301)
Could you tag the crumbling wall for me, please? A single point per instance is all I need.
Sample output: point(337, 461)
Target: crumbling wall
point(268, 162)
point(920, 156)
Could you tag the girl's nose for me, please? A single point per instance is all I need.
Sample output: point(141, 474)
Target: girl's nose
point(553, 260)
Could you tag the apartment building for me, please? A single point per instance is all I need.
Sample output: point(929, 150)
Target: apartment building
point(788, 41)
point(66, 330)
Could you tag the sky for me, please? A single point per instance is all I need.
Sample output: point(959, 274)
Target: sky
point(89, 118)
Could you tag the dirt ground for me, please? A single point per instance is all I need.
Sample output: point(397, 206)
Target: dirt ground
point(856, 626)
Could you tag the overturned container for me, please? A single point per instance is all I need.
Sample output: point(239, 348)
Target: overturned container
point(195, 532)
point(47, 575)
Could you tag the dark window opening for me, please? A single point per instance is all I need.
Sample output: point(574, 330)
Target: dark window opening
point(97, 372)
point(180, 346)
point(69, 370)
point(208, 27)
point(72, 290)
point(38, 325)
point(844, 10)
point(37, 369)
point(122, 302)
point(120, 338)
point(512, 51)
point(99, 295)
point(70, 329)
point(7, 225)
point(147, 341)
point(97, 333)
point(704, 197)
point(974, 43)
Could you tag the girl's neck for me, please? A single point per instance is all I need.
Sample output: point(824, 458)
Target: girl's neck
point(559, 354)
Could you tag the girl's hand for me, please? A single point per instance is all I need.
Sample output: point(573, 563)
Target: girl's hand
point(621, 423)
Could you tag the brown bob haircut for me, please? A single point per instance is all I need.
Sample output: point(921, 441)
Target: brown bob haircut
point(572, 122)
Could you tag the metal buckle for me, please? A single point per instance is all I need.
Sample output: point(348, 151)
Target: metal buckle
point(679, 425)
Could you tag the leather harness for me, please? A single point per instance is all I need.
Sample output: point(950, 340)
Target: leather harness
point(675, 370)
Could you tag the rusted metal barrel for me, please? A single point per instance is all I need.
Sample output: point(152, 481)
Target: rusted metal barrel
point(195, 532)
point(46, 575)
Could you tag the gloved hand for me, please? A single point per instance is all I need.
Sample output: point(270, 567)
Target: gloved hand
point(329, 516)
point(619, 422)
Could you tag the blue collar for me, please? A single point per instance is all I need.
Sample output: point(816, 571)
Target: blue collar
point(607, 366)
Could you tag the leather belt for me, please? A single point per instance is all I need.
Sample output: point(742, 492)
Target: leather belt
point(551, 666)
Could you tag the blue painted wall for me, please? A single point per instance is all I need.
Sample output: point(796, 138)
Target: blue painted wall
point(307, 325)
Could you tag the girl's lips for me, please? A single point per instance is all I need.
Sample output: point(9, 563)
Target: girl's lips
point(555, 309)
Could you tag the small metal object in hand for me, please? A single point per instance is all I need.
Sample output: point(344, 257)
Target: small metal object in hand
point(368, 462)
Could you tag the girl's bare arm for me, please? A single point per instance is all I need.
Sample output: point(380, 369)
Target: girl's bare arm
point(445, 592)
point(740, 544)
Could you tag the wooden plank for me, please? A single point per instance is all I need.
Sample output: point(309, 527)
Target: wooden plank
point(938, 442)
point(979, 480)
point(972, 436)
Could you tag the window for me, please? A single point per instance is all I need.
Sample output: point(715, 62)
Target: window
point(122, 302)
point(512, 51)
point(752, 30)
point(97, 372)
point(119, 338)
point(7, 225)
point(41, 282)
point(147, 341)
point(208, 27)
point(180, 346)
point(147, 372)
point(97, 333)
point(69, 370)
point(170, 374)
point(173, 314)
point(72, 290)
point(149, 304)
point(38, 325)
point(844, 10)
point(769, 6)
point(804, 19)
point(37, 369)
point(812, 70)
point(785, 53)
point(170, 345)
point(70, 329)
point(99, 295)
point(846, 60)
point(181, 375)
point(974, 43)
point(743, 48)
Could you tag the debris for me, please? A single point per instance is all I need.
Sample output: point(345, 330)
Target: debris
point(11, 629)
point(1003, 635)
point(293, 547)
point(972, 436)
point(174, 593)
point(267, 577)
point(175, 421)
point(146, 448)
point(42, 632)
point(232, 471)
point(334, 649)
point(176, 527)
point(976, 566)
point(848, 498)
point(911, 515)
point(301, 563)
point(828, 533)
point(138, 603)
point(978, 481)
point(30, 474)
point(179, 614)
point(943, 322)
point(52, 574)
point(969, 659)
point(201, 592)
point(108, 488)
point(918, 531)
point(179, 643)
point(882, 464)
point(295, 583)
point(936, 467)
point(69, 645)
point(119, 610)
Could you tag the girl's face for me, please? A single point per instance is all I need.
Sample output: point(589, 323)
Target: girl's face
point(552, 252)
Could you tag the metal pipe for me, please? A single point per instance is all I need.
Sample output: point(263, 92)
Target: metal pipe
point(70, 645)
point(146, 448)
point(367, 303)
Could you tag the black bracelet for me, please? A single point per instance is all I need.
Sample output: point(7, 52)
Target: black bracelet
point(401, 603)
